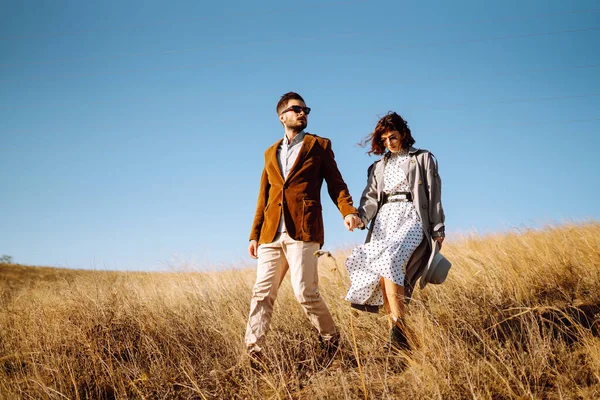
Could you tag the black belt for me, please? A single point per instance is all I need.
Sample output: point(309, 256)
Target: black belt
point(396, 197)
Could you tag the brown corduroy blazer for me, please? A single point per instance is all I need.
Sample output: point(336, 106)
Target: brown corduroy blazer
point(299, 196)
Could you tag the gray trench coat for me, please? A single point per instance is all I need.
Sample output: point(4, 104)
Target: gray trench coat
point(426, 188)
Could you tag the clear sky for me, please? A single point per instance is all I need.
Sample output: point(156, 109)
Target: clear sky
point(132, 133)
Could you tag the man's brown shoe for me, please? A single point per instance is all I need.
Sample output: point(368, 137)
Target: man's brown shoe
point(257, 361)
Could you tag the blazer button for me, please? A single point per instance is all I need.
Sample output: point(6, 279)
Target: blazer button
point(412, 161)
point(424, 206)
point(420, 182)
point(279, 204)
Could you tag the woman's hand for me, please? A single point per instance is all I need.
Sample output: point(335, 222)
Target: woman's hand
point(351, 221)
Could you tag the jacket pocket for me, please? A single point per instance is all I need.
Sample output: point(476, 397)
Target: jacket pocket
point(311, 217)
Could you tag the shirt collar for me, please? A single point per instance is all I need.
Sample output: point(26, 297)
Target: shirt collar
point(297, 139)
point(411, 150)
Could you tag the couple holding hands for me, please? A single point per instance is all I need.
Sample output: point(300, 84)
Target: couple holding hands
point(401, 202)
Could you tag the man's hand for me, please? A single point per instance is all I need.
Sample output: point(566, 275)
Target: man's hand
point(352, 221)
point(253, 249)
point(439, 240)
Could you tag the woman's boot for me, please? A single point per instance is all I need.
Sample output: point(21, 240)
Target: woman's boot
point(398, 340)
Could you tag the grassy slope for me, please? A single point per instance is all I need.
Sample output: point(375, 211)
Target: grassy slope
point(517, 318)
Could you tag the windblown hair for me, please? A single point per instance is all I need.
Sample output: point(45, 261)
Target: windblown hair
point(390, 122)
point(287, 97)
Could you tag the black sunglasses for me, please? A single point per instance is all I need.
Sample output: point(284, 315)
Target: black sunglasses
point(297, 110)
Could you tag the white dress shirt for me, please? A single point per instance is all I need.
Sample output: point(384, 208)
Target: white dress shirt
point(287, 153)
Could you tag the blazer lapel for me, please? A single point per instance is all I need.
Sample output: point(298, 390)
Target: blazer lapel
point(272, 162)
point(307, 144)
point(378, 174)
point(410, 169)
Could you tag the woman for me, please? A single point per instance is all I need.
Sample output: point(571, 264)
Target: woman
point(402, 200)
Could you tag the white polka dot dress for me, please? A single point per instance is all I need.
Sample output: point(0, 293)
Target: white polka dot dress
point(397, 232)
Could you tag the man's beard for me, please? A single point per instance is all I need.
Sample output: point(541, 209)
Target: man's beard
point(298, 126)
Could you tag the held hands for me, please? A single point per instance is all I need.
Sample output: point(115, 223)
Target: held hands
point(352, 221)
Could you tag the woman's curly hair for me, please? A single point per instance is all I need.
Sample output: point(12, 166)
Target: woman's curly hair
point(390, 122)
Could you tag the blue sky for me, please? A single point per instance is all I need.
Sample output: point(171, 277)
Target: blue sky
point(132, 133)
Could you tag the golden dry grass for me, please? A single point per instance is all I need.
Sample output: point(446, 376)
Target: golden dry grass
point(516, 319)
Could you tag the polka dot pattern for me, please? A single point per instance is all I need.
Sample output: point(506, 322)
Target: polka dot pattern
point(397, 232)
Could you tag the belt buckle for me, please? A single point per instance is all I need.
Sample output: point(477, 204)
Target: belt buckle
point(398, 197)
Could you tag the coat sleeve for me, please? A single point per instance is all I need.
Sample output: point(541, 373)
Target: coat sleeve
point(259, 216)
point(368, 200)
point(336, 187)
point(434, 187)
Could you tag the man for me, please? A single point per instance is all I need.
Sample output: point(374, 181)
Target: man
point(288, 224)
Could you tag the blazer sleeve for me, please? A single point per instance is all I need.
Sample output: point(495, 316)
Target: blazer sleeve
point(336, 187)
point(434, 187)
point(369, 199)
point(259, 216)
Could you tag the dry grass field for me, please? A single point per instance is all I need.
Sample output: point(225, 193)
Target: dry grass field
point(518, 318)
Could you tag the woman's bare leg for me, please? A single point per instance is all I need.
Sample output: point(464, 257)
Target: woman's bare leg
point(386, 303)
point(393, 296)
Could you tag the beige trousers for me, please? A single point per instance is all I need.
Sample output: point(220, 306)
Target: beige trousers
point(274, 259)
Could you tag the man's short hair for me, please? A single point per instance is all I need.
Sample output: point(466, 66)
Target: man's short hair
point(282, 103)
